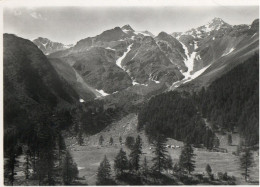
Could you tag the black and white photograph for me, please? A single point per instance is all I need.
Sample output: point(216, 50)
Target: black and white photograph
point(135, 94)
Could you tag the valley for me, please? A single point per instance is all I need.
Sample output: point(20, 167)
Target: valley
point(127, 107)
point(89, 155)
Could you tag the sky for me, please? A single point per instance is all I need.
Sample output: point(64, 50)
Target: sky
point(71, 24)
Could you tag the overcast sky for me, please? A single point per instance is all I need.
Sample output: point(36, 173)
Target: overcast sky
point(70, 24)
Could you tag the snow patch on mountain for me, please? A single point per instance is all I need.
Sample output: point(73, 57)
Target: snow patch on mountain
point(195, 44)
point(126, 31)
point(110, 48)
point(119, 60)
point(140, 32)
point(230, 51)
point(151, 78)
point(189, 61)
point(81, 100)
point(196, 74)
point(102, 92)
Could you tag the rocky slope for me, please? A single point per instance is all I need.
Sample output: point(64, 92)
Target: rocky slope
point(135, 59)
point(127, 57)
point(215, 48)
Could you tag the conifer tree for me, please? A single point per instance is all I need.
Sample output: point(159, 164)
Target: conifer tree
point(145, 169)
point(111, 141)
point(209, 170)
point(104, 172)
point(160, 152)
point(246, 162)
point(80, 138)
point(46, 159)
point(229, 139)
point(11, 154)
point(69, 170)
point(134, 157)
point(120, 140)
point(169, 163)
point(121, 163)
point(129, 142)
point(186, 161)
point(101, 140)
point(10, 165)
point(27, 164)
point(61, 147)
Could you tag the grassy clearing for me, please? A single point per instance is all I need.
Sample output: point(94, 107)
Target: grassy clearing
point(91, 154)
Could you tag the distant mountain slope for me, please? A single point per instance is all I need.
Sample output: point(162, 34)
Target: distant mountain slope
point(47, 46)
point(74, 79)
point(140, 59)
point(133, 58)
point(217, 51)
point(30, 80)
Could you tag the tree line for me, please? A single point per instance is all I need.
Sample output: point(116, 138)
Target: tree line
point(41, 143)
point(131, 171)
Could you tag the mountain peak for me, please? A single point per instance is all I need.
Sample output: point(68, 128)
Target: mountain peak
point(42, 39)
point(216, 22)
point(127, 28)
point(163, 35)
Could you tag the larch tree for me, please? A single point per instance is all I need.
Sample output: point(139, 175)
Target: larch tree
point(229, 139)
point(186, 161)
point(246, 162)
point(69, 170)
point(104, 172)
point(121, 163)
point(111, 141)
point(145, 168)
point(160, 152)
point(135, 155)
point(101, 140)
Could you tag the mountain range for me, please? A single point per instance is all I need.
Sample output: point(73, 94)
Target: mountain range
point(122, 60)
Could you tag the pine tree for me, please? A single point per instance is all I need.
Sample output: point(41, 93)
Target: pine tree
point(10, 165)
point(209, 170)
point(120, 140)
point(246, 162)
point(101, 140)
point(80, 138)
point(27, 164)
point(160, 152)
point(136, 152)
point(145, 169)
point(121, 163)
point(104, 172)
point(186, 161)
point(61, 147)
point(69, 170)
point(111, 141)
point(169, 163)
point(46, 158)
point(229, 139)
point(129, 142)
point(11, 154)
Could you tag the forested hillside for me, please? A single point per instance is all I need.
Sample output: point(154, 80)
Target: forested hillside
point(175, 115)
point(232, 101)
point(37, 104)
